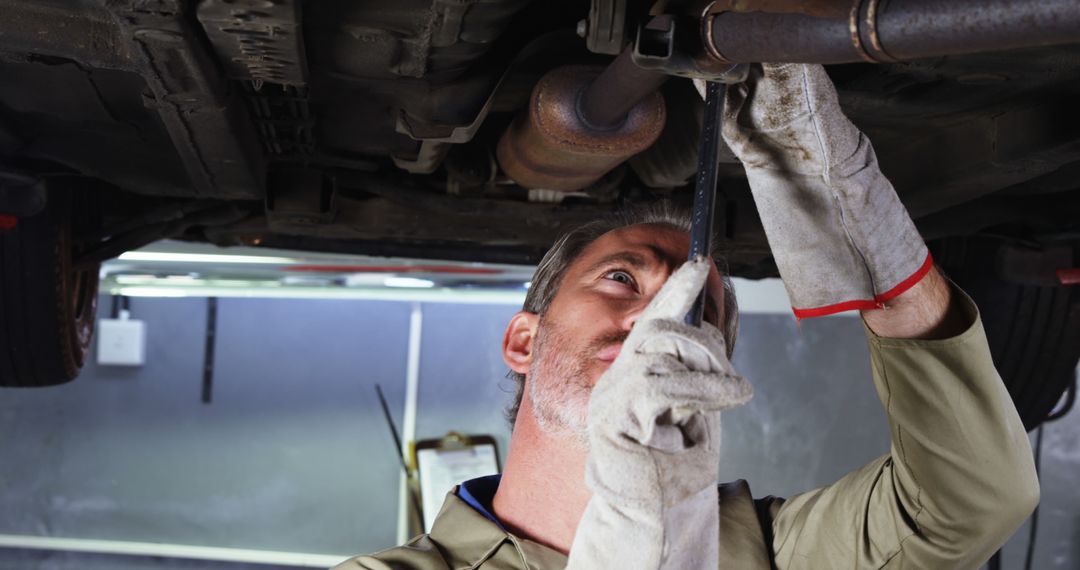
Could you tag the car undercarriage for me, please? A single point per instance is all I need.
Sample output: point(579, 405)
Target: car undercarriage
point(374, 127)
point(350, 125)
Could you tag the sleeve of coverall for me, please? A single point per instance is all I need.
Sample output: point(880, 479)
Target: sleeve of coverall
point(959, 478)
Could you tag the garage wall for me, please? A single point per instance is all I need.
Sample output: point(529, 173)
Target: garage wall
point(293, 453)
point(462, 374)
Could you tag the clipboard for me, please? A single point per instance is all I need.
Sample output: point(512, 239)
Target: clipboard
point(445, 462)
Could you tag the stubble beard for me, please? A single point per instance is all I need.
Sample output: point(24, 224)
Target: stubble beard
point(558, 382)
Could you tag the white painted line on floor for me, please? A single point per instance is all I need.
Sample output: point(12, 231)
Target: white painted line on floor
point(127, 548)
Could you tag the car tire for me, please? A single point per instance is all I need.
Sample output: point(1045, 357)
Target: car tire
point(1032, 321)
point(47, 305)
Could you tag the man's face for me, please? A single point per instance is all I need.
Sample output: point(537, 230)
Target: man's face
point(599, 298)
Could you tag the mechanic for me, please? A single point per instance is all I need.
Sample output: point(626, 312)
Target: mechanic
point(614, 456)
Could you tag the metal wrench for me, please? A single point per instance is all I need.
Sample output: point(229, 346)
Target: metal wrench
point(701, 224)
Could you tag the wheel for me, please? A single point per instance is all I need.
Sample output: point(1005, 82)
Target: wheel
point(1032, 321)
point(47, 306)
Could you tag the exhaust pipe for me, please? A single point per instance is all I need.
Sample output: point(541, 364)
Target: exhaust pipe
point(882, 31)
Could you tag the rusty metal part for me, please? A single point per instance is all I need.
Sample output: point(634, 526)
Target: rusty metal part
point(621, 85)
point(883, 31)
point(875, 37)
point(855, 33)
point(551, 147)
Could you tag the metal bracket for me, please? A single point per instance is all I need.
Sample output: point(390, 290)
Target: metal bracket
point(605, 30)
point(674, 45)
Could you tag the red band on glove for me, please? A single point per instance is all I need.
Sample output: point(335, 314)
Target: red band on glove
point(866, 305)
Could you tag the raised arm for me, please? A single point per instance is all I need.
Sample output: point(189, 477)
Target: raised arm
point(959, 478)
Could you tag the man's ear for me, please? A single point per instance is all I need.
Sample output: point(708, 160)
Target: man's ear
point(517, 346)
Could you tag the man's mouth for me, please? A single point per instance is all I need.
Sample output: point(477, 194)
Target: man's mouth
point(609, 352)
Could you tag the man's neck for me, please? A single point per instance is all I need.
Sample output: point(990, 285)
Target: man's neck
point(542, 494)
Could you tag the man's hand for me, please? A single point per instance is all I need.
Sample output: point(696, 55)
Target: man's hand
point(841, 238)
point(654, 440)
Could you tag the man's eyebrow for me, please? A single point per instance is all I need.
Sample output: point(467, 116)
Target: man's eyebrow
point(630, 258)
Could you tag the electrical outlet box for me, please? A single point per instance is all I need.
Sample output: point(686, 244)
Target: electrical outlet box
point(121, 342)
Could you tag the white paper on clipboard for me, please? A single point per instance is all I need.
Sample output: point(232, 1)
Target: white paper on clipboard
point(442, 469)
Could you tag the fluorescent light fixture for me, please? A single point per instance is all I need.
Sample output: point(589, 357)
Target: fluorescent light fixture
point(181, 280)
point(151, 292)
point(140, 279)
point(408, 282)
point(202, 258)
point(425, 295)
point(365, 280)
point(167, 281)
point(528, 284)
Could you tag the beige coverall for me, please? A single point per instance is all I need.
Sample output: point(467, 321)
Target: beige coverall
point(959, 479)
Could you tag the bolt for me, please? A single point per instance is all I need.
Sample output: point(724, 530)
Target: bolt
point(582, 28)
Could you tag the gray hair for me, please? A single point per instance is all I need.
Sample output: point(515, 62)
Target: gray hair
point(550, 271)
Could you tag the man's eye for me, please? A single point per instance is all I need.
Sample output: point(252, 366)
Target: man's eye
point(620, 277)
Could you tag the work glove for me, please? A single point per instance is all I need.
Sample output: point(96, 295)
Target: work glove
point(654, 440)
point(840, 236)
